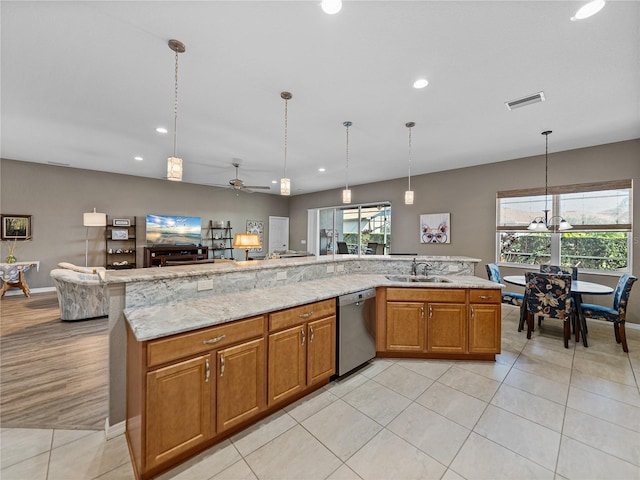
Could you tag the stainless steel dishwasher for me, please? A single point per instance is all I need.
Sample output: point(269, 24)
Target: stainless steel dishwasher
point(356, 329)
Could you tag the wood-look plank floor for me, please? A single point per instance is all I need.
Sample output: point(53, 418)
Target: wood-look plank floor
point(53, 374)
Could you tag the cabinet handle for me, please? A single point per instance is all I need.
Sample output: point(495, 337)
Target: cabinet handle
point(485, 297)
point(221, 365)
point(422, 311)
point(473, 313)
point(306, 315)
point(303, 335)
point(215, 340)
point(207, 370)
point(311, 332)
point(430, 311)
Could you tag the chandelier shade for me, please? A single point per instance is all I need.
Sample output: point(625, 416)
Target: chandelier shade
point(174, 163)
point(346, 193)
point(408, 194)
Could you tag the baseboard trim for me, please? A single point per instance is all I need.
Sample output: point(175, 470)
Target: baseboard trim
point(113, 431)
point(17, 291)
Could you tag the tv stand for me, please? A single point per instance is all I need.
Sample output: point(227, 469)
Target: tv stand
point(157, 256)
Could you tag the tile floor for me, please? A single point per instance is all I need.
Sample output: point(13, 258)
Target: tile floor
point(540, 411)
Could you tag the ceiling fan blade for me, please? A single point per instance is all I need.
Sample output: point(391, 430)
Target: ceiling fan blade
point(257, 187)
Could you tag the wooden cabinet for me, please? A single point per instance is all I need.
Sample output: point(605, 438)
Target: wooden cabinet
point(485, 321)
point(302, 349)
point(120, 242)
point(405, 327)
point(447, 328)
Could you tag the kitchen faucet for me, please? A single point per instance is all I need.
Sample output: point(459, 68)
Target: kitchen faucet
point(414, 267)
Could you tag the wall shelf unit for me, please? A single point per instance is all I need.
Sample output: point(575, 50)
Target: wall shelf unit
point(120, 243)
point(221, 239)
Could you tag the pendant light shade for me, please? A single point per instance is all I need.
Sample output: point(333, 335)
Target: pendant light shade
point(408, 195)
point(174, 163)
point(346, 193)
point(285, 182)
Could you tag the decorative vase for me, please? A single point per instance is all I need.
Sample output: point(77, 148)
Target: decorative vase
point(11, 258)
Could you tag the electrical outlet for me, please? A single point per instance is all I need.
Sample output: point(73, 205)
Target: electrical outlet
point(303, 242)
point(454, 268)
point(339, 268)
point(330, 268)
point(205, 285)
point(281, 276)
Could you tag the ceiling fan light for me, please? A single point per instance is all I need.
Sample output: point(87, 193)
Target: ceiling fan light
point(408, 197)
point(346, 196)
point(285, 186)
point(174, 169)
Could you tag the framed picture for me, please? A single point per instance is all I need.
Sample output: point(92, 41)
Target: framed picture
point(121, 222)
point(16, 227)
point(118, 234)
point(256, 226)
point(435, 228)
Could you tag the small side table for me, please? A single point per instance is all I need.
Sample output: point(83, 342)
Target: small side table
point(12, 275)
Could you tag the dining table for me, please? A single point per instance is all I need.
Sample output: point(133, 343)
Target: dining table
point(578, 288)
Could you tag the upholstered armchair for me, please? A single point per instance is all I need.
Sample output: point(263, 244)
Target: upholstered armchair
point(80, 295)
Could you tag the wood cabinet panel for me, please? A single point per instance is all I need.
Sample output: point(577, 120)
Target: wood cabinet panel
point(287, 363)
point(302, 314)
point(405, 327)
point(183, 388)
point(485, 328)
point(185, 344)
point(241, 383)
point(427, 294)
point(447, 328)
point(485, 296)
point(321, 350)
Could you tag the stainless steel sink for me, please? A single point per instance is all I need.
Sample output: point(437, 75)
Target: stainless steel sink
point(418, 279)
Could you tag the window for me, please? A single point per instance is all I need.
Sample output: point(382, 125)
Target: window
point(600, 214)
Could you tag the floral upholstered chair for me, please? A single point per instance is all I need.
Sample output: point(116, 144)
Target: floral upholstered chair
point(616, 314)
point(573, 271)
point(511, 298)
point(549, 296)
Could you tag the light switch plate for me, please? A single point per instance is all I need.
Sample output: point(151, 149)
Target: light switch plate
point(330, 268)
point(339, 268)
point(454, 268)
point(205, 284)
point(281, 276)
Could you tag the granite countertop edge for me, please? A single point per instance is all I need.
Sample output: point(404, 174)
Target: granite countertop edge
point(152, 322)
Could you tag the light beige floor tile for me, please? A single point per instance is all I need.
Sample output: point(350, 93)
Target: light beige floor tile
point(427, 368)
point(62, 437)
point(506, 357)
point(328, 426)
point(493, 370)
point(376, 366)
point(311, 404)
point(32, 468)
point(453, 404)
point(123, 472)
point(579, 461)
point(541, 386)
point(513, 343)
point(294, 455)
point(543, 369)
point(551, 338)
point(482, 459)
point(88, 457)
point(470, 383)
point(344, 473)
point(605, 408)
point(264, 431)
point(536, 409)
point(388, 457)
point(608, 437)
point(238, 471)
point(533, 441)
point(451, 475)
point(342, 386)
point(19, 444)
point(206, 464)
point(377, 401)
point(430, 432)
point(404, 381)
point(591, 366)
point(600, 386)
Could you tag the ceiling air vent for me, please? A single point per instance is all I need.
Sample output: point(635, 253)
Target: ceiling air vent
point(524, 101)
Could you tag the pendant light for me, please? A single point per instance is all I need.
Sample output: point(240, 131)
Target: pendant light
point(542, 224)
point(346, 193)
point(408, 195)
point(174, 163)
point(285, 182)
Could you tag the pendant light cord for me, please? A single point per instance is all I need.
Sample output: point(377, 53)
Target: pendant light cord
point(409, 158)
point(175, 110)
point(347, 124)
point(286, 124)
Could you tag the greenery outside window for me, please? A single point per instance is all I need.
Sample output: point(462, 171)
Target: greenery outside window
point(600, 214)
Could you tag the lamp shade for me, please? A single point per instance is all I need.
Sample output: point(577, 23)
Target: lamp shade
point(246, 240)
point(346, 196)
point(285, 186)
point(94, 219)
point(408, 197)
point(174, 169)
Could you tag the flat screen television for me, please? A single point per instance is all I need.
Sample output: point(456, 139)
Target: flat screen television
point(173, 230)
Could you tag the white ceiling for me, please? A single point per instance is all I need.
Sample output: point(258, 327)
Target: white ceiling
point(87, 83)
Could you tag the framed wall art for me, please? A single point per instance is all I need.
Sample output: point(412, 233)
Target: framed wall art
point(119, 234)
point(121, 222)
point(256, 226)
point(16, 227)
point(435, 228)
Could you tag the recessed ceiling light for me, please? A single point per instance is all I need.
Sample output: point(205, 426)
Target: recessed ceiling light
point(420, 83)
point(331, 7)
point(588, 10)
point(138, 158)
point(161, 130)
point(322, 169)
point(274, 181)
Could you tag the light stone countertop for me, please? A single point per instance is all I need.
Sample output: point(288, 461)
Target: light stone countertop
point(148, 323)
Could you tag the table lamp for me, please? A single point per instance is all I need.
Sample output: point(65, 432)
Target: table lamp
point(246, 241)
point(92, 219)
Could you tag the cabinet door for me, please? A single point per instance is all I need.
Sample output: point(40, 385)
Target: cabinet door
point(447, 328)
point(405, 327)
point(321, 349)
point(287, 363)
point(484, 328)
point(240, 383)
point(178, 408)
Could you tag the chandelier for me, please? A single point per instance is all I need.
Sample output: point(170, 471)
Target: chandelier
point(174, 163)
point(285, 182)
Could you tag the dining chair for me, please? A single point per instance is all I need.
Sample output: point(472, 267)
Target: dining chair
point(371, 248)
point(549, 296)
point(512, 298)
point(342, 247)
point(617, 313)
point(573, 271)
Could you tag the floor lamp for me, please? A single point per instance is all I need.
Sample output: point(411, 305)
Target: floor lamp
point(92, 219)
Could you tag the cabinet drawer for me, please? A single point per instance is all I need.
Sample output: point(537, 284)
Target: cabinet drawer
point(183, 345)
point(485, 296)
point(304, 313)
point(426, 295)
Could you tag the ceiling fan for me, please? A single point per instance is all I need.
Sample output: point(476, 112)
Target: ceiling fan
point(238, 184)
